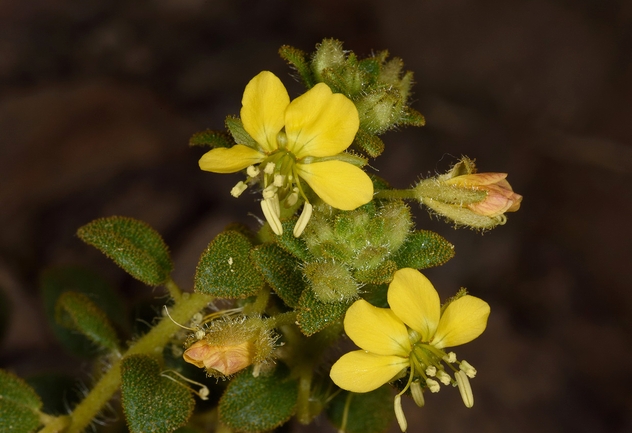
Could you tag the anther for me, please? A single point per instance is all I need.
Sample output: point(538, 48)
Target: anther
point(464, 388)
point(279, 180)
point(269, 191)
point(431, 370)
point(467, 368)
point(269, 168)
point(303, 219)
point(253, 171)
point(433, 385)
point(399, 413)
point(238, 189)
point(450, 357)
point(444, 377)
point(271, 216)
point(417, 393)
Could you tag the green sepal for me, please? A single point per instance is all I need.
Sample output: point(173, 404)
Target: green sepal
point(368, 143)
point(152, 403)
point(236, 128)
point(423, 249)
point(55, 281)
point(131, 244)
point(298, 59)
point(257, 404)
point(281, 271)
point(315, 315)
point(369, 412)
point(210, 138)
point(411, 117)
point(77, 312)
point(19, 405)
point(379, 275)
point(225, 269)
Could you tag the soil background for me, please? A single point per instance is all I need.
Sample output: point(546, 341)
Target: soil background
point(99, 98)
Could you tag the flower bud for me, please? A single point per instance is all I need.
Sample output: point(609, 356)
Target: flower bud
point(230, 345)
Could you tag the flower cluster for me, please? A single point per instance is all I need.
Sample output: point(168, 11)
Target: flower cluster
point(411, 335)
point(302, 139)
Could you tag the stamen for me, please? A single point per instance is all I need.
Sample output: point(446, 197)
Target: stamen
point(202, 393)
point(431, 370)
point(433, 385)
point(253, 171)
point(464, 388)
point(399, 413)
point(467, 368)
point(269, 168)
point(238, 189)
point(269, 191)
point(279, 180)
point(292, 198)
point(303, 219)
point(444, 377)
point(450, 357)
point(417, 393)
point(271, 217)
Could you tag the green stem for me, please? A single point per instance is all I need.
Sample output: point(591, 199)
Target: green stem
point(395, 194)
point(54, 424)
point(303, 407)
point(151, 343)
point(174, 290)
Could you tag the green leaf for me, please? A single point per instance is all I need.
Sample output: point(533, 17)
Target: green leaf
point(423, 249)
point(289, 242)
point(411, 117)
point(281, 271)
point(381, 274)
point(369, 412)
point(76, 311)
point(298, 59)
point(211, 138)
point(133, 245)
point(19, 405)
point(225, 269)
point(55, 281)
point(315, 315)
point(236, 128)
point(256, 404)
point(152, 403)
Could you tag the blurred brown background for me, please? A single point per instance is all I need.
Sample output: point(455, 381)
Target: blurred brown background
point(99, 97)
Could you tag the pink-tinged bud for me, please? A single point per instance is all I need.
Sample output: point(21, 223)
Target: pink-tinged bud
point(500, 196)
point(226, 360)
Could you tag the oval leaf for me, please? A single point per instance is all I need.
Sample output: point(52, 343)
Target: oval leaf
point(55, 281)
point(255, 404)
point(76, 311)
point(281, 271)
point(152, 403)
point(19, 405)
point(423, 249)
point(131, 244)
point(315, 315)
point(225, 269)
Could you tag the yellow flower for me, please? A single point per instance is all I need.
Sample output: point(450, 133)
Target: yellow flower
point(303, 139)
point(412, 334)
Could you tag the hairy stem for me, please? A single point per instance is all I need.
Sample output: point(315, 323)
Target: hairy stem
point(151, 343)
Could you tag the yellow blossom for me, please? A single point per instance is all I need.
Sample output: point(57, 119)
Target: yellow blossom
point(302, 139)
point(412, 334)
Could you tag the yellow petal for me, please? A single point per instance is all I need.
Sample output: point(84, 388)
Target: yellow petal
point(461, 322)
point(230, 159)
point(377, 330)
point(320, 123)
point(415, 301)
point(263, 109)
point(361, 371)
point(337, 183)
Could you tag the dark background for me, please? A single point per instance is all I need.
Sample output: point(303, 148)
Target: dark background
point(99, 97)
